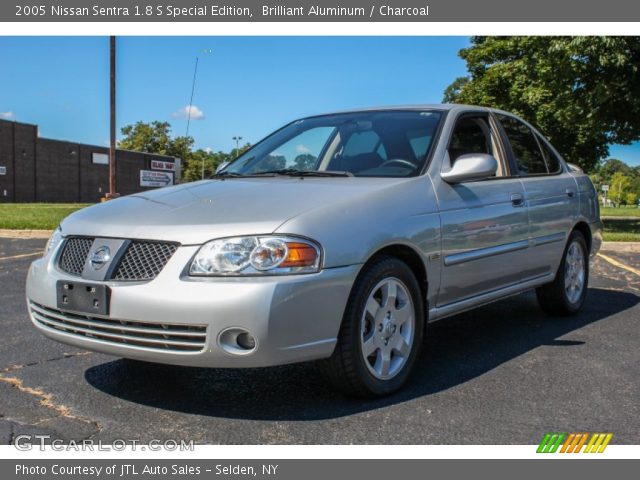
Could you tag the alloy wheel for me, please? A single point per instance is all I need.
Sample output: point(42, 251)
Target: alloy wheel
point(387, 328)
point(574, 272)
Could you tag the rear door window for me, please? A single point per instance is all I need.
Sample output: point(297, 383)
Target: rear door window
point(526, 151)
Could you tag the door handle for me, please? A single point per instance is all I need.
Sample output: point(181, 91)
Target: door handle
point(517, 200)
point(570, 193)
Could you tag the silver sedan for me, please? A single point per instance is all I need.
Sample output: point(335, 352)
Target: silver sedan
point(336, 238)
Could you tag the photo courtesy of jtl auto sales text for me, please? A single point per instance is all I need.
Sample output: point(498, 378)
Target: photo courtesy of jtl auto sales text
point(318, 239)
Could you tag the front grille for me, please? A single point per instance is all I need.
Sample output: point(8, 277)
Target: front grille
point(156, 336)
point(75, 254)
point(144, 260)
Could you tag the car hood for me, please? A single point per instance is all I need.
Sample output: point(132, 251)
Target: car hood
point(196, 212)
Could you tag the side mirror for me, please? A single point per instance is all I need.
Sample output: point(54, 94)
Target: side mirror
point(222, 166)
point(471, 166)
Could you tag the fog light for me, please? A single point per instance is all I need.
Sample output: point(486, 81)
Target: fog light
point(237, 341)
point(246, 340)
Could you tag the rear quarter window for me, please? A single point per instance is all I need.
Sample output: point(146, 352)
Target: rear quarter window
point(553, 162)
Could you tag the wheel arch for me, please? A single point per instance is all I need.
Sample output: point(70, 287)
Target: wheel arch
point(583, 227)
point(411, 257)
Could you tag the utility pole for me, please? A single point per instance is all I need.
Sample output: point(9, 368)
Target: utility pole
point(112, 147)
point(237, 139)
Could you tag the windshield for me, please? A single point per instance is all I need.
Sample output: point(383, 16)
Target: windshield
point(364, 144)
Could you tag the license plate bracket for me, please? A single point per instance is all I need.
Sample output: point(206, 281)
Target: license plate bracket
point(84, 298)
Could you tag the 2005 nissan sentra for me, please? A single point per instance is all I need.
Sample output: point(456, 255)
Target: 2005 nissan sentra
point(336, 238)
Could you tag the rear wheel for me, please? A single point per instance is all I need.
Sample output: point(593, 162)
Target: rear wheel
point(381, 331)
point(566, 294)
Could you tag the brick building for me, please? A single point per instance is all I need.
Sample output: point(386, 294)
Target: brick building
point(34, 169)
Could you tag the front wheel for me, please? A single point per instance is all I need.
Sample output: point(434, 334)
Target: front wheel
point(381, 331)
point(566, 294)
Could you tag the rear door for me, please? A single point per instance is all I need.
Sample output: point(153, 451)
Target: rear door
point(550, 191)
point(484, 223)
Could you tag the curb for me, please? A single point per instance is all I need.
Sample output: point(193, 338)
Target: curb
point(6, 233)
point(621, 247)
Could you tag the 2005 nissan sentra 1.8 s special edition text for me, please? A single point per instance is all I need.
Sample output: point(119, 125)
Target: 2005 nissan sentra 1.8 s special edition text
point(336, 239)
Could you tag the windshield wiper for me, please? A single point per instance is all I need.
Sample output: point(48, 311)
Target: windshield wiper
point(294, 172)
point(290, 172)
point(225, 174)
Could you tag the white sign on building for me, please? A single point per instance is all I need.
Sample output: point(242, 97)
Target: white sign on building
point(152, 178)
point(100, 158)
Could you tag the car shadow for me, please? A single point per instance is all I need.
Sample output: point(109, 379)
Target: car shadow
point(457, 350)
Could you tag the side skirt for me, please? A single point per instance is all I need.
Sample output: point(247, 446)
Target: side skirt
point(438, 313)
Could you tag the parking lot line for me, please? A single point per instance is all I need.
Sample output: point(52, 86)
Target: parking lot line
point(23, 255)
point(619, 264)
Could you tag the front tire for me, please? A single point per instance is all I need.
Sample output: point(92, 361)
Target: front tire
point(381, 331)
point(566, 294)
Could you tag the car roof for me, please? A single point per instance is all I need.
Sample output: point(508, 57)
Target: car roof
point(428, 106)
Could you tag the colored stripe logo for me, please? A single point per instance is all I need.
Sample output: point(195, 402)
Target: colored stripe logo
point(574, 442)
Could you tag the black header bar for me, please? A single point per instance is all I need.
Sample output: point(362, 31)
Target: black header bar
point(319, 11)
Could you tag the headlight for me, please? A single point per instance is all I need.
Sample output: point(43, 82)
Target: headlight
point(53, 241)
point(256, 255)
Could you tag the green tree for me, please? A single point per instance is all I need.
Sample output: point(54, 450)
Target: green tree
point(611, 166)
point(305, 161)
point(453, 91)
point(583, 93)
point(272, 162)
point(196, 160)
point(236, 152)
point(618, 188)
point(155, 137)
point(631, 198)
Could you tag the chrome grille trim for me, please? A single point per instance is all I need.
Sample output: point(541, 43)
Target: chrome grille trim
point(144, 260)
point(74, 254)
point(156, 336)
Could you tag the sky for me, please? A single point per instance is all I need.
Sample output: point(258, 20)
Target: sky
point(245, 86)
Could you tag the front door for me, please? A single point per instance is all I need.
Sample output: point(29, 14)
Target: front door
point(484, 223)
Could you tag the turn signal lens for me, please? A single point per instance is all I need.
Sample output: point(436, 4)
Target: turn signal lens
point(300, 255)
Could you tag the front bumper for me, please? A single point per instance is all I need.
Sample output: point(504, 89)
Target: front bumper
point(293, 318)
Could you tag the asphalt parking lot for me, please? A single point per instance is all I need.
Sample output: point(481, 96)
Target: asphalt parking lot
point(502, 374)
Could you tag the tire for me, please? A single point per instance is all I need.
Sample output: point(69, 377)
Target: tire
point(564, 296)
point(391, 332)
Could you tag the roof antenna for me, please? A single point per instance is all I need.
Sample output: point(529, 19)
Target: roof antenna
point(193, 87)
